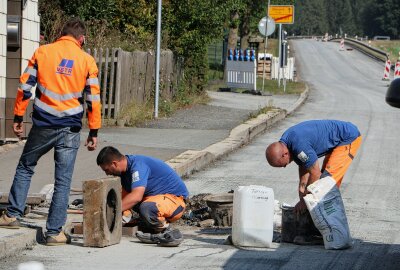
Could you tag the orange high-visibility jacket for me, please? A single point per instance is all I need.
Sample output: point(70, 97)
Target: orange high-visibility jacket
point(63, 73)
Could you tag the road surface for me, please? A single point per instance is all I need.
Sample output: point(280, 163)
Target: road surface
point(344, 85)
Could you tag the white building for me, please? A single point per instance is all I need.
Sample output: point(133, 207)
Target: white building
point(19, 38)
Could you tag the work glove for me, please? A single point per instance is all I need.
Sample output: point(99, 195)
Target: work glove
point(127, 216)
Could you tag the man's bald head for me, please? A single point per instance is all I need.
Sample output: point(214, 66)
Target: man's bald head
point(277, 154)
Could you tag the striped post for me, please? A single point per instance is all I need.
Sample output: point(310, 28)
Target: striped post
point(397, 70)
point(342, 44)
point(386, 73)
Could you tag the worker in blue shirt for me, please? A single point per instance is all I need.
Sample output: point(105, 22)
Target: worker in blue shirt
point(307, 141)
point(152, 188)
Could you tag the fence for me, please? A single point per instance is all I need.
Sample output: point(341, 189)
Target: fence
point(126, 76)
point(215, 54)
point(287, 73)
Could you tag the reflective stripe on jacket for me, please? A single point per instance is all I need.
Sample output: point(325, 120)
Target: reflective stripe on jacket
point(63, 72)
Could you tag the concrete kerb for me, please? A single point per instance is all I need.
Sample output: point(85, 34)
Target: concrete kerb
point(192, 160)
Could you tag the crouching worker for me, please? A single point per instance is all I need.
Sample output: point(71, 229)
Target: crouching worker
point(152, 189)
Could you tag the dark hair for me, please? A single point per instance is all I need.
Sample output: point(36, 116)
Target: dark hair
point(74, 27)
point(107, 155)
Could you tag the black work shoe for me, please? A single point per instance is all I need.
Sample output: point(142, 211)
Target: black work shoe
point(170, 238)
point(148, 238)
point(308, 240)
point(9, 222)
point(57, 240)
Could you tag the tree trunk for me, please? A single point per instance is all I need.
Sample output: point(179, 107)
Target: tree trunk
point(233, 35)
point(233, 30)
point(245, 31)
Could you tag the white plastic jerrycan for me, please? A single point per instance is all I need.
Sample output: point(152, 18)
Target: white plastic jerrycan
point(253, 216)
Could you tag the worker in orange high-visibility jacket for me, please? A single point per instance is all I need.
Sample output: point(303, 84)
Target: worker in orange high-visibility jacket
point(63, 75)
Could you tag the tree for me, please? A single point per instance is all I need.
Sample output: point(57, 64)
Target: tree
point(191, 26)
point(382, 18)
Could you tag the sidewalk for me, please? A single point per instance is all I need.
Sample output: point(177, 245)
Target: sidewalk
point(188, 141)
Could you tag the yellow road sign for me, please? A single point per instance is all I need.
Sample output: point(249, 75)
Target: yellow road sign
point(282, 14)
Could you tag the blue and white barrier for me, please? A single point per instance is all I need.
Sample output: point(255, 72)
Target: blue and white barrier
point(241, 68)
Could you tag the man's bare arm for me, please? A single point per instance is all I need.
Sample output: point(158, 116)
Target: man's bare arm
point(314, 173)
point(132, 198)
point(303, 180)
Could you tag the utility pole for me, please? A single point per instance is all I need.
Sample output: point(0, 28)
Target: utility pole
point(265, 45)
point(158, 58)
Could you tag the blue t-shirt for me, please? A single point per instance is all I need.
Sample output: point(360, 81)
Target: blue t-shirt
point(153, 174)
point(309, 140)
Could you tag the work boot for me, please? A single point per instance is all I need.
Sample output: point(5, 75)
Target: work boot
point(57, 240)
point(148, 238)
point(308, 240)
point(170, 238)
point(167, 238)
point(9, 222)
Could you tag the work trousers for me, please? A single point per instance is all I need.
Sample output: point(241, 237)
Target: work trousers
point(159, 210)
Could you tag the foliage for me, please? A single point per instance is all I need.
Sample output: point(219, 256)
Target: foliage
point(353, 17)
point(382, 18)
point(191, 27)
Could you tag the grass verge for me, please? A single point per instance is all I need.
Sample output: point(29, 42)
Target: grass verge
point(133, 114)
point(271, 87)
point(390, 46)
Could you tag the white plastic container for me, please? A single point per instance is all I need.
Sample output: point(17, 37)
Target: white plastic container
point(253, 216)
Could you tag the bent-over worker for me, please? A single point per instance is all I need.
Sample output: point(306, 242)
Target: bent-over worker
point(304, 143)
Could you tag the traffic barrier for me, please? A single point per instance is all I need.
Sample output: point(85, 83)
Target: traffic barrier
point(397, 70)
point(386, 73)
point(342, 44)
point(241, 69)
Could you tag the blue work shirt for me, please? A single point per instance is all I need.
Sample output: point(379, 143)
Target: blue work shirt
point(309, 140)
point(153, 174)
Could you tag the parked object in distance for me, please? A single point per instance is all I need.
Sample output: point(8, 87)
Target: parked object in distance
point(393, 94)
point(381, 38)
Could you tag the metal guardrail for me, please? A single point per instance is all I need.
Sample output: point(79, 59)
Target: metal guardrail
point(304, 37)
point(358, 45)
point(364, 48)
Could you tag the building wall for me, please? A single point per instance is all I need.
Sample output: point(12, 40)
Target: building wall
point(3, 48)
point(16, 61)
point(30, 31)
point(3, 61)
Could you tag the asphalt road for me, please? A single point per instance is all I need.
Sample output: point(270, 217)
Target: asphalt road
point(344, 85)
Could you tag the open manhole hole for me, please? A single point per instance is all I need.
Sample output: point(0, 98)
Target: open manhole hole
point(111, 209)
point(221, 208)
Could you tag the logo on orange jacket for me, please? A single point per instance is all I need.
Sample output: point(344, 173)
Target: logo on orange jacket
point(65, 67)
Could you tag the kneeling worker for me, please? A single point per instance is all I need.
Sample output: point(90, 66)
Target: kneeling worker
point(151, 188)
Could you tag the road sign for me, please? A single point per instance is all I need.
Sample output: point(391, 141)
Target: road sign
point(282, 14)
point(266, 27)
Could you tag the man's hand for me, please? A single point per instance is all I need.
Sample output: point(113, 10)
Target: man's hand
point(126, 216)
point(91, 143)
point(18, 129)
